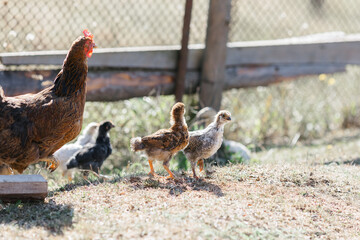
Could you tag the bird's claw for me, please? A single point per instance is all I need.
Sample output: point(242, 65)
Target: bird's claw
point(52, 164)
point(52, 169)
point(153, 174)
point(169, 177)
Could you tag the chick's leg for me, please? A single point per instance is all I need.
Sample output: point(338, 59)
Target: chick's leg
point(201, 164)
point(193, 165)
point(152, 172)
point(68, 175)
point(165, 165)
point(85, 175)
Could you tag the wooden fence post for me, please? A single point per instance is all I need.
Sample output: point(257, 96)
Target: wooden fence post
point(213, 66)
point(183, 54)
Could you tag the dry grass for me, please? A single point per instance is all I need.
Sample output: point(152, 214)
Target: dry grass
point(290, 194)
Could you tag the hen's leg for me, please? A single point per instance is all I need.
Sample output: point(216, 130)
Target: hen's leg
point(51, 162)
point(6, 170)
point(201, 164)
point(165, 165)
point(152, 172)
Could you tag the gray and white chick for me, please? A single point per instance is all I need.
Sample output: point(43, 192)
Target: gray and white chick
point(204, 143)
point(93, 155)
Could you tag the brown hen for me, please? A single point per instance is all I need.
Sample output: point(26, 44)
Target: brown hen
point(165, 143)
point(34, 126)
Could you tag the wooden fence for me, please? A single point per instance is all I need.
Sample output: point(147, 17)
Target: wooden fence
point(122, 73)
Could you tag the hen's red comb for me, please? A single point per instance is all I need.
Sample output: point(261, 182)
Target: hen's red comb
point(88, 34)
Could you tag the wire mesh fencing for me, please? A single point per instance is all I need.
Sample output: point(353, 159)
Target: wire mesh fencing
point(309, 106)
point(49, 25)
point(306, 109)
point(276, 19)
point(31, 25)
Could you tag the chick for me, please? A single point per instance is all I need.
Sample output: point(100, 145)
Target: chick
point(204, 143)
point(92, 155)
point(64, 154)
point(165, 143)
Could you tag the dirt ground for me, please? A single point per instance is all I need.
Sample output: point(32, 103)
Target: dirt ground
point(304, 192)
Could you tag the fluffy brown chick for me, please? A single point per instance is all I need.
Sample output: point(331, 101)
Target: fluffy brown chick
point(165, 143)
point(204, 143)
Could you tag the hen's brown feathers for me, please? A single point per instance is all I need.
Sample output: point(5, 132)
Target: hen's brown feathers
point(71, 77)
point(34, 126)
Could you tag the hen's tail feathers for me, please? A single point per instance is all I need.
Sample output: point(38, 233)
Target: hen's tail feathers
point(136, 144)
point(2, 94)
point(72, 164)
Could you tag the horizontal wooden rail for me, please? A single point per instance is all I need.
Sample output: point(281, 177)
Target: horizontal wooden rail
point(315, 49)
point(123, 73)
point(141, 57)
point(113, 85)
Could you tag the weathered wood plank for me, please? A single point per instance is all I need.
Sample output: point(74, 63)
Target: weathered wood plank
point(22, 187)
point(317, 53)
point(323, 49)
point(113, 85)
point(253, 76)
point(145, 57)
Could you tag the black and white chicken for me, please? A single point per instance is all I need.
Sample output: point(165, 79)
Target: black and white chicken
point(92, 155)
point(64, 154)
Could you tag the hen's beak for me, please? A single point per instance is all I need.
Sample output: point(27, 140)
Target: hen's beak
point(229, 118)
point(94, 45)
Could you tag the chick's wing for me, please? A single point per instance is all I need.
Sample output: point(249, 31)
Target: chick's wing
point(165, 139)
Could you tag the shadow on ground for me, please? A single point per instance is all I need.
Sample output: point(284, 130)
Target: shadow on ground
point(355, 161)
point(138, 181)
point(94, 179)
point(51, 216)
point(176, 186)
